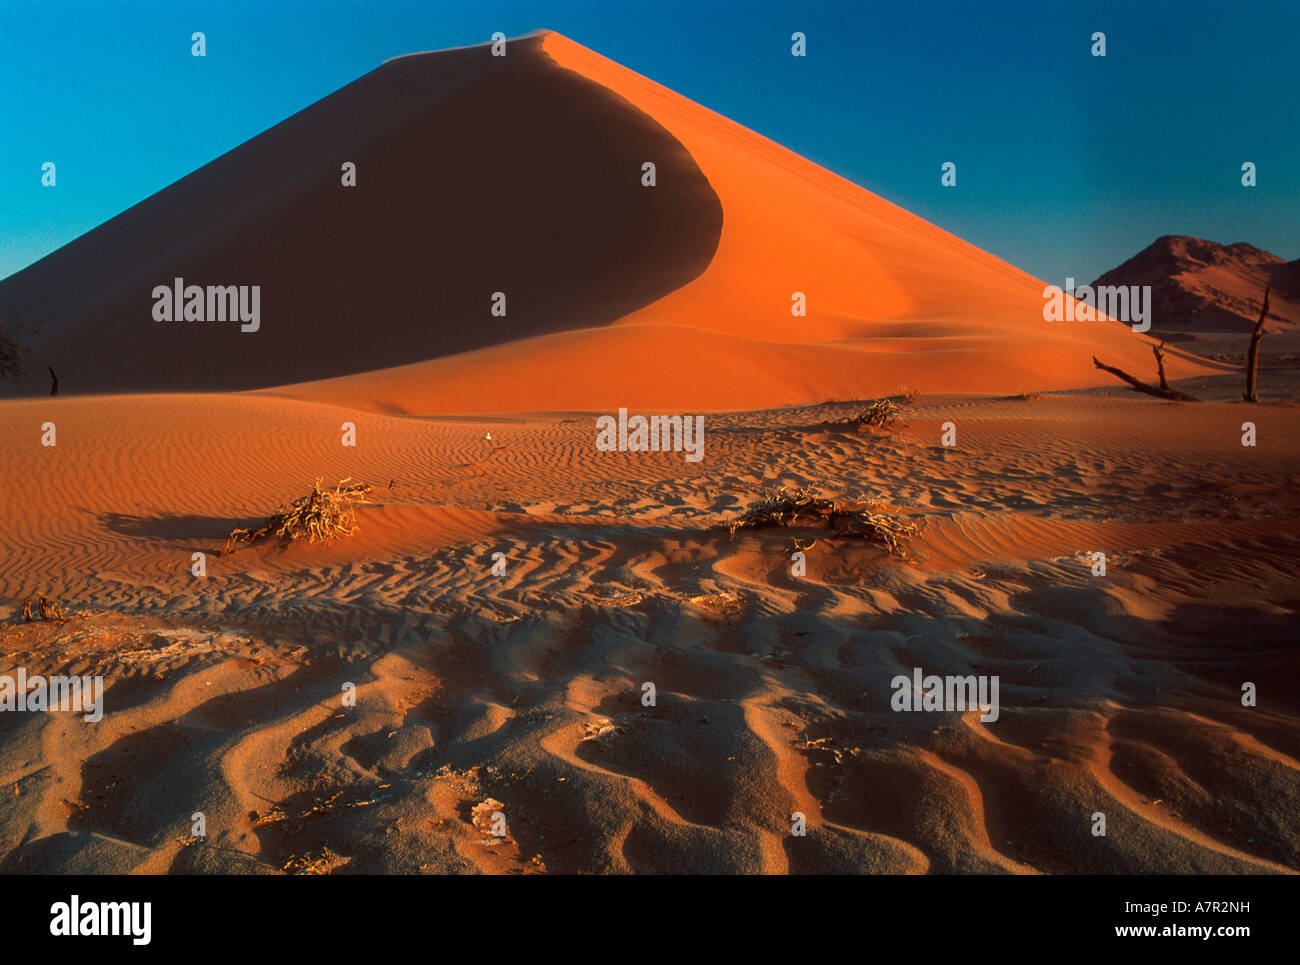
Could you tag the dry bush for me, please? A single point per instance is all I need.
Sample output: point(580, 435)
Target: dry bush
point(320, 516)
point(880, 414)
point(793, 507)
point(44, 609)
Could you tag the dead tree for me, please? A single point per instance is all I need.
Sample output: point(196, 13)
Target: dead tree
point(1159, 352)
point(1252, 357)
point(1162, 391)
point(54, 381)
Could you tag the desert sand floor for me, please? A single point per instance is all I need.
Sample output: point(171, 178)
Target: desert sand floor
point(1119, 694)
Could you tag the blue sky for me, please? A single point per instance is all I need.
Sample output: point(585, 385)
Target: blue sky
point(1066, 164)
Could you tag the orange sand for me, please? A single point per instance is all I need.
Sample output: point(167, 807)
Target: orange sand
point(1119, 693)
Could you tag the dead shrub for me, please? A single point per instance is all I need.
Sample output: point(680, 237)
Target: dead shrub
point(794, 507)
point(319, 517)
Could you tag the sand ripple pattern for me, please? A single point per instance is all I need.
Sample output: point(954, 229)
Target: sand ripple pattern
point(224, 694)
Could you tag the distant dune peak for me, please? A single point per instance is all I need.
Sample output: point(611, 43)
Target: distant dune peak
point(1203, 286)
point(1197, 252)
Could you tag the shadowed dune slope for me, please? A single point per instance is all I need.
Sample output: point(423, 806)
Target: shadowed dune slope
point(475, 174)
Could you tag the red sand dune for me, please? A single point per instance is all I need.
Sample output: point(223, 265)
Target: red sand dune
point(892, 301)
point(523, 175)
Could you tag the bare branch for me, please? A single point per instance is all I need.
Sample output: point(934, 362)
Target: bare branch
point(1139, 386)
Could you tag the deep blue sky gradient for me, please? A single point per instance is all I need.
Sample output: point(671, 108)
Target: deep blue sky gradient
point(1067, 164)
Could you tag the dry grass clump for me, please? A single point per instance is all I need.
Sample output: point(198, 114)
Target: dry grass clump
point(44, 609)
point(320, 516)
point(793, 507)
point(308, 863)
point(880, 414)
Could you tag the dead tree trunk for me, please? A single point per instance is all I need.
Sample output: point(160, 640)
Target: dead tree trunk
point(1159, 351)
point(1252, 357)
point(54, 382)
point(1139, 386)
